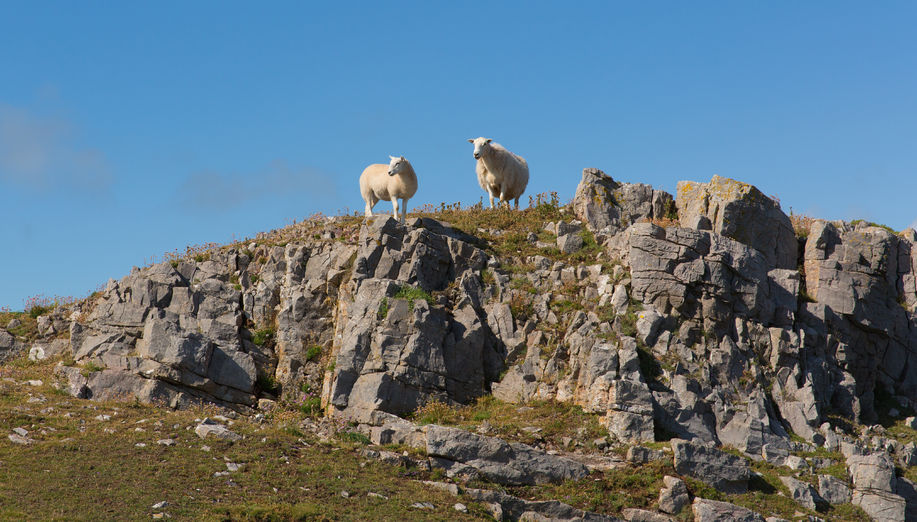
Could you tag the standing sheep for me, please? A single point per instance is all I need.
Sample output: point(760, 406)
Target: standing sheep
point(388, 182)
point(501, 173)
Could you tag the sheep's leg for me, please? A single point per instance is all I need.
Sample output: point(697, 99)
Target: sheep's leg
point(404, 209)
point(369, 207)
point(395, 206)
point(517, 203)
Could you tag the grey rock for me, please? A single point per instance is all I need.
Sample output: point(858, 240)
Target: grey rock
point(642, 455)
point(643, 515)
point(875, 471)
point(908, 491)
point(775, 454)
point(802, 492)
point(513, 508)
point(15, 438)
point(499, 461)
point(674, 496)
point(601, 202)
point(210, 428)
point(833, 490)
point(570, 243)
point(741, 212)
point(725, 472)
point(716, 511)
point(881, 506)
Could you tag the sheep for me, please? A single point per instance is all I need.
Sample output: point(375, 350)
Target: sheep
point(388, 182)
point(501, 173)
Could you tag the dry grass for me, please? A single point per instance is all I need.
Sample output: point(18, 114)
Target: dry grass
point(82, 468)
point(801, 224)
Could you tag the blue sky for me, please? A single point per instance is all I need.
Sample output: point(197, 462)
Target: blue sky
point(131, 129)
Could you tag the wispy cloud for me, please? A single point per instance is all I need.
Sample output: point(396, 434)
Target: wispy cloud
point(216, 191)
point(44, 153)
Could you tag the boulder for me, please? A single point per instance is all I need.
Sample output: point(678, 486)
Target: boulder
point(501, 462)
point(674, 496)
point(210, 428)
point(802, 492)
point(716, 511)
point(881, 506)
point(725, 472)
point(875, 471)
point(833, 490)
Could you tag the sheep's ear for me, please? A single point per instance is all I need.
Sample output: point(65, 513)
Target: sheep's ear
point(470, 141)
point(489, 140)
point(391, 157)
point(402, 158)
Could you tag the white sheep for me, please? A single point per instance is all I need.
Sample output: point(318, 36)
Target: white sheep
point(389, 183)
point(501, 173)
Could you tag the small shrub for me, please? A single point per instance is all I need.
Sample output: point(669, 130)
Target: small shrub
point(435, 412)
point(91, 367)
point(413, 293)
point(267, 384)
point(382, 313)
point(356, 437)
point(263, 336)
point(313, 352)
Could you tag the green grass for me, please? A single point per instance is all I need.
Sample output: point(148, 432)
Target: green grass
point(413, 293)
point(608, 492)
point(313, 353)
point(555, 420)
point(263, 336)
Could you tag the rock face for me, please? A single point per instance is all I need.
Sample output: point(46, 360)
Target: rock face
point(397, 353)
point(741, 212)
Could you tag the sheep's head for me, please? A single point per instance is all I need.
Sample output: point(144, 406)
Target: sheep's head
point(396, 165)
point(480, 145)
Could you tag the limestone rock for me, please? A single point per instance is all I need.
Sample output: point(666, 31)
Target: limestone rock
point(513, 508)
point(802, 492)
point(602, 203)
point(725, 472)
point(674, 496)
point(716, 511)
point(211, 428)
point(833, 490)
point(875, 471)
point(499, 461)
point(741, 212)
point(881, 506)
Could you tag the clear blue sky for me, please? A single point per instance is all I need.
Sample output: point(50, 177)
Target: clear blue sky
point(128, 129)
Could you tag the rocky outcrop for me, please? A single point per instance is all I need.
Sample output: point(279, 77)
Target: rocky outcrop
point(399, 348)
point(606, 205)
point(723, 329)
point(741, 212)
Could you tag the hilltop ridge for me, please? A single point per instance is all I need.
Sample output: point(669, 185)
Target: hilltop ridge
point(705, 320)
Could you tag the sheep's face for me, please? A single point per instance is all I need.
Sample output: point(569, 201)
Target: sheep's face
point(480, 145)
point(396, 165)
